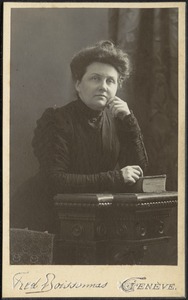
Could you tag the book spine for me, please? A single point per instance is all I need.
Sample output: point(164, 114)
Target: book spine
point(137, 187)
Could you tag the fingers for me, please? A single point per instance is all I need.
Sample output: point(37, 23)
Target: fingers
point(135, 177)
point(117, 105)
point(111, 100)
point(137, 172)
point(138, 169)
point(115, 100)
point(116, 108)
point(131, 174)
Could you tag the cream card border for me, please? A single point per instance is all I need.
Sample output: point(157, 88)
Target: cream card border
point(92, 274)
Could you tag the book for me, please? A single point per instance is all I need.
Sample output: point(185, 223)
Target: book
point(150, 184)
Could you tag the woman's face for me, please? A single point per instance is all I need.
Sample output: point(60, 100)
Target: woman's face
point(98, 85)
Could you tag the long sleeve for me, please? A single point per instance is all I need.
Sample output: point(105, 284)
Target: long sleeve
point(52, 145)
point(133, 151)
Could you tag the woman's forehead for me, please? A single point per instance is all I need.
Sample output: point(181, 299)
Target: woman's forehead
point(101, 69)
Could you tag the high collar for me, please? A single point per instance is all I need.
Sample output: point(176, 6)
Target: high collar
point(88, 112)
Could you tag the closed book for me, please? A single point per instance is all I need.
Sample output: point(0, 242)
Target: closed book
point(150, 184)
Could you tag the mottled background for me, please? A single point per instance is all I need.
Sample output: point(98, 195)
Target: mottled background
point(43, 42)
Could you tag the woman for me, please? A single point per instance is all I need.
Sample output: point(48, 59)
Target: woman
point(93, 144)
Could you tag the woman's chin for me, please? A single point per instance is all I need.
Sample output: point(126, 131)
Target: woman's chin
point(100, 105)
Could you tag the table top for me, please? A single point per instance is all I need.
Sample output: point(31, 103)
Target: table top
point(122, 199)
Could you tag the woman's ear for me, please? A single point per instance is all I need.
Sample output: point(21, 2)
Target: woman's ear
point(77, 85)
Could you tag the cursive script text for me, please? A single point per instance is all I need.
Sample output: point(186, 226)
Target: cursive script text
point(48, 283)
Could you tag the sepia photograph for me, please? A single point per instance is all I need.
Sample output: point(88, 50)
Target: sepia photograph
point(94, 149)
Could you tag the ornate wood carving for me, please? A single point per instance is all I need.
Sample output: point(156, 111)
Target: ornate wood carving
point(77, 230)
point(119, 231)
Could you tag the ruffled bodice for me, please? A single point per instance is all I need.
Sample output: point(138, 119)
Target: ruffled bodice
point(79, 150)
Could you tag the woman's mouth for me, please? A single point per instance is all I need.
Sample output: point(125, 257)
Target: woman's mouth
point(101, 96)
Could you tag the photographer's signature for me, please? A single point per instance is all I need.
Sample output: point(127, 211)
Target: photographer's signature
point(49, 282)
point(140, 283)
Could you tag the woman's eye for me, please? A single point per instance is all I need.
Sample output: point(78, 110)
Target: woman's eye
point(110, 80)
point(95, 78)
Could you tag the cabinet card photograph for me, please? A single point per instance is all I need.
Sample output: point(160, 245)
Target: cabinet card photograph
point(93, 149)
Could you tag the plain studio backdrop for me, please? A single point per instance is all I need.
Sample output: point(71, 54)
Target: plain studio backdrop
point(43, 41)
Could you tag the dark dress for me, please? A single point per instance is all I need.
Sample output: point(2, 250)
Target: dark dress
point(79, 150)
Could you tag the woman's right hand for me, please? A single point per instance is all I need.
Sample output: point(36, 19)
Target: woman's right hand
point(131, 174)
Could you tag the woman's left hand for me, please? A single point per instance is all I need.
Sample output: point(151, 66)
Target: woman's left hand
point(118, 107)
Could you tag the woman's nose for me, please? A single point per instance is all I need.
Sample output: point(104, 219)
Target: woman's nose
point(103, 85)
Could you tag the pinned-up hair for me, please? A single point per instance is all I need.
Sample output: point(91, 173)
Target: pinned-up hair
point(104, 52)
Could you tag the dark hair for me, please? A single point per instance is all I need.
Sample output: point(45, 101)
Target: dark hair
point(104, 52)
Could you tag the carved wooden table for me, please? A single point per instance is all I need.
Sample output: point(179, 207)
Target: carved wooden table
point(114, 229)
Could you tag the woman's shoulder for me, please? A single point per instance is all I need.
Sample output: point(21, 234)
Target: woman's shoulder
point(54, 123)
point(57, 115)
